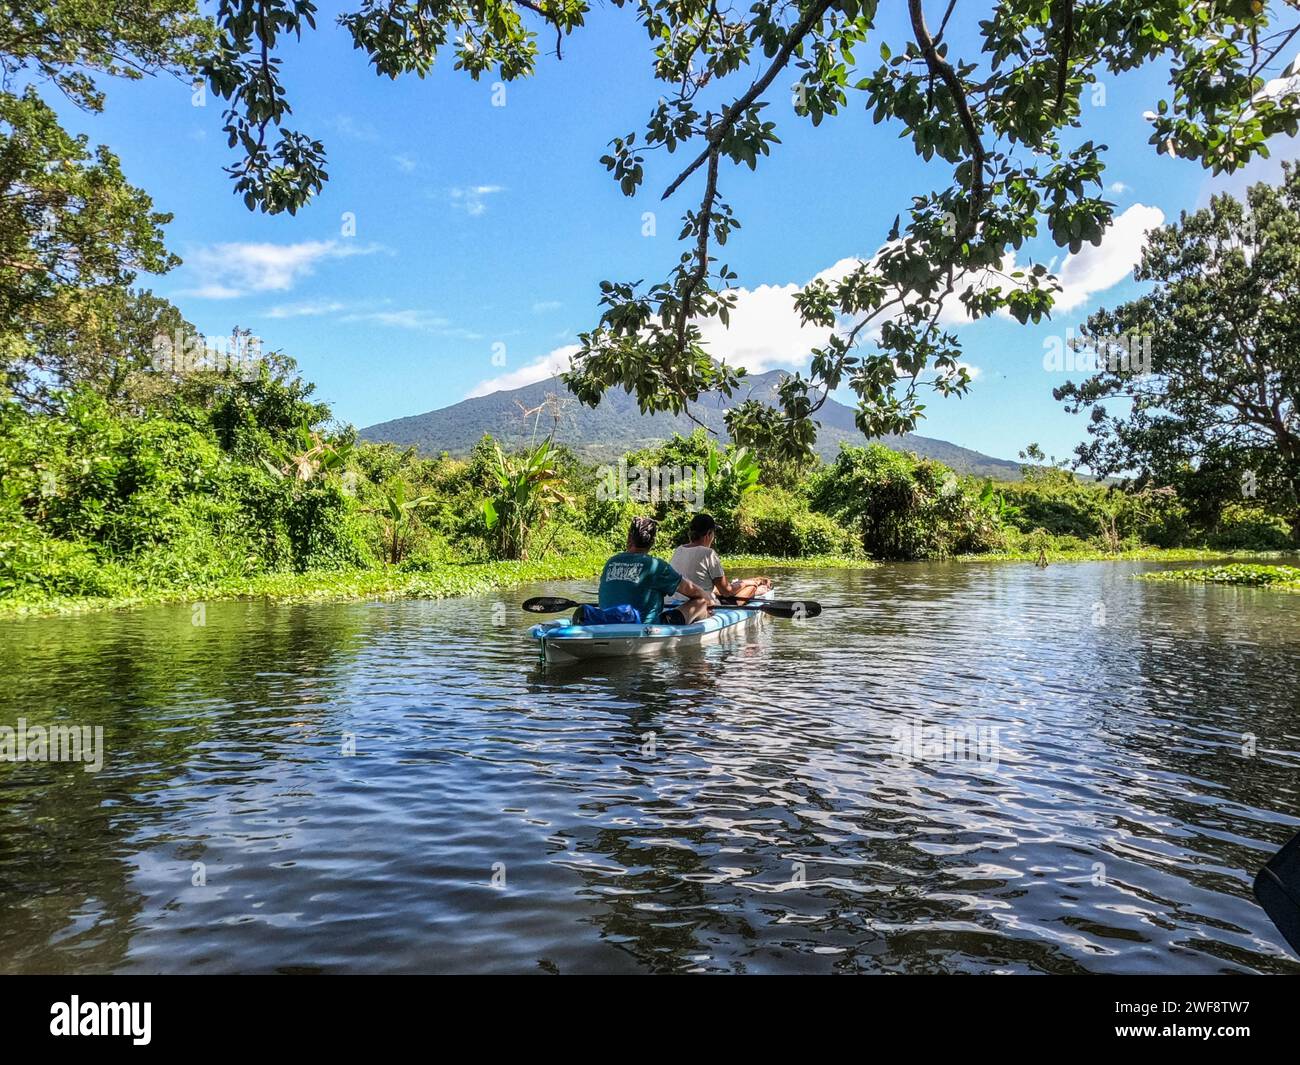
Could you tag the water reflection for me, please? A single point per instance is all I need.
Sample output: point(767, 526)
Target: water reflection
point(400, 787)
point(165, 692)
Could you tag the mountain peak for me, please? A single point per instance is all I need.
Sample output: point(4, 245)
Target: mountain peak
point(617, 426)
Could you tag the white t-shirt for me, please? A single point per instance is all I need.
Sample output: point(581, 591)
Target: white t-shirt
point(699, 565)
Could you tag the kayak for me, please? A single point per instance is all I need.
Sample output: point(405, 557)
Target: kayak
point(561, 642)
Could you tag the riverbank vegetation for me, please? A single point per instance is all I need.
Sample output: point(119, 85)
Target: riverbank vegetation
point(140, 461)
point(379, 583)
point(213, 483)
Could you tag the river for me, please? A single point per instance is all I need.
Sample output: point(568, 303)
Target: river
point(964, 767)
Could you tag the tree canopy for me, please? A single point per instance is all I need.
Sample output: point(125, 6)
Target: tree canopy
point(1222, 395)
point(997, 102)
point(998, 110)
point(73, 232)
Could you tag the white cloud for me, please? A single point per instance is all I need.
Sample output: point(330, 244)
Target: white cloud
point(403, 319)
point(405, 163)
point(472, 199)
point(765, 331)
point(548, 365)
point(350, 127)
point(411, 318)
point(1093, 269)
point(1097, 268)
point(542, 306)
point(837, 271)
point(306, 309)
point(1118, 188)
point(373, 312)
point(212, 291)
point(233, 269)
point(1287, 83)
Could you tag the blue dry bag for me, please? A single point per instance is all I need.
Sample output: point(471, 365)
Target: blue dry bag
point(606, 615)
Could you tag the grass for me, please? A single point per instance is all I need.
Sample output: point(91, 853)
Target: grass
point(436, 582)
point(1133, 554)
point(748, 562)
point(476, 578)
point(1238, 573)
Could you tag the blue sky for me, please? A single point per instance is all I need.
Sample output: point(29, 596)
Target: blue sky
point(482, 231)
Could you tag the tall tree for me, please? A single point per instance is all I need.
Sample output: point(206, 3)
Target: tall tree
point(73, 232)
point(995, 101)
point(105, 338)
point(1221, 393)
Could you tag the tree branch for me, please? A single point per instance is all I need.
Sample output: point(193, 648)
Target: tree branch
point(793, 39)
point(1063, 61)
point(704, 220)
point(536, 9)
point(941, 69)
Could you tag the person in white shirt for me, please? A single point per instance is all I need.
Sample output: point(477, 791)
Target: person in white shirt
point(698, 563)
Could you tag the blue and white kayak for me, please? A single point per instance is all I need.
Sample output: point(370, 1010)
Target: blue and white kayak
point(561, 642)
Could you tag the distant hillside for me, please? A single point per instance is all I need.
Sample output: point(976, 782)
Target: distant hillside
point(616, 426)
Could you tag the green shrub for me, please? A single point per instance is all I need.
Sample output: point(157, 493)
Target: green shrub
point(324, 530)
point(1103, 515)
point(431, 552)
point(1060, 504)
point(904, 507)
point(603, 517)
point(1155, 516)
point(773, 521)
point(1250, 528)
point(34, 564)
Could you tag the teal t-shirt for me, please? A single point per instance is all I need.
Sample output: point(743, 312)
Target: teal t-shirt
point(641, 581)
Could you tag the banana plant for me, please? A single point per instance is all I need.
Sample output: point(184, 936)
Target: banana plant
point(997, 504)
point(528, 486)
point(729, 478)
point(400, 511)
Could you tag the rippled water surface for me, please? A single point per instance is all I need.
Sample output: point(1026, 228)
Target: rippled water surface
point(970, 768)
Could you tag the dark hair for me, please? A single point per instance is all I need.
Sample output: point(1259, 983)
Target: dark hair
point(643, 532)
point(701, 526)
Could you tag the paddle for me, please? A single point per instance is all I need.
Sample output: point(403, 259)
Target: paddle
point(549, 604)
point(1277, 886)
point(554, 604)
point(795, 607)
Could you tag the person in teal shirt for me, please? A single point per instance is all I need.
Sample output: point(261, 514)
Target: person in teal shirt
point(638, 579)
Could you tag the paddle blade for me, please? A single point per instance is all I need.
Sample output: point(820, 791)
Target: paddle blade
point(778, 608)
point(1277, 887)
point(548, 604)
point(781, 608)
point(790, 609)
